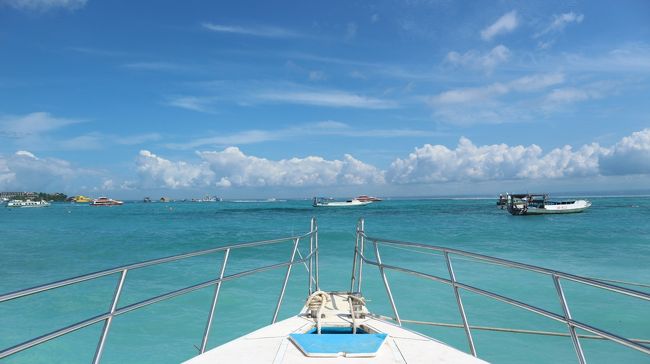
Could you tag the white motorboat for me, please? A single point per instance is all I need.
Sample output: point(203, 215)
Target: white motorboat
point(105, 201)
point(539, 204)
point(27, 203)
point(328, 202)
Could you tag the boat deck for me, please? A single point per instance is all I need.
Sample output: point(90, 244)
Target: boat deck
point(271, 344)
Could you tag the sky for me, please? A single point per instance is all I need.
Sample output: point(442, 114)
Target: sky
point(259, 99)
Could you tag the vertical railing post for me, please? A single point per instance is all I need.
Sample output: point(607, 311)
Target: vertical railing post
point(567, 318)
point(286, 279)
point(107, 323)
point(316, 255)
point(383, 277)
point(354, 258)
point(215, 297)
point(459, 301)
point(362, 242)
point(311, 255)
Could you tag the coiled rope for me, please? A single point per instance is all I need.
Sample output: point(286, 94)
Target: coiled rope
point(316, 302)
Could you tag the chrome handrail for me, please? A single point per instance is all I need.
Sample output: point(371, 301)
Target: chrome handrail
point(566, 318)
point(310, 261)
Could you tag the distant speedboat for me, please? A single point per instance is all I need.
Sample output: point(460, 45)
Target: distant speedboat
point(27, 203)
point(328, 202)
point(208, 198)
point(364, 198)
point(105, 201)
point(539, 204)
point(82, 199)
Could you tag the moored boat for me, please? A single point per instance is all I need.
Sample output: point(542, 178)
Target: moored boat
point(105, 201)
point(81, 199)
point(364, 198)
point(27, 203)
point(539, 204)
point(329, 202)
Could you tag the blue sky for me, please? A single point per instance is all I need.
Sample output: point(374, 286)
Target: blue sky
point(293, 99)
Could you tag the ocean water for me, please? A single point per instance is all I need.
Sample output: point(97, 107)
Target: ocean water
point(610, 240)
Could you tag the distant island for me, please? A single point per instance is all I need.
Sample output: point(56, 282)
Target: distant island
point(34, 196)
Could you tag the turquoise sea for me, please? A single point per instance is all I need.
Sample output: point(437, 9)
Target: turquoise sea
point(610, 240)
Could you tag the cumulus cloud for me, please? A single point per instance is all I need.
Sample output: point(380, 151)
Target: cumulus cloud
point(480, 61)
point(505, 24)
point(631, 155)
point(25, 171)
point(44, 5)
point(231, 167)
point(468, 162)
point(155, 171)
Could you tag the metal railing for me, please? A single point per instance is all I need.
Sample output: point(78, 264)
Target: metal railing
point(357, 274)
point(310, 261)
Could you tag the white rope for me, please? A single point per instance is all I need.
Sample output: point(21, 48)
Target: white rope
point(352, 313)
point(316, 302)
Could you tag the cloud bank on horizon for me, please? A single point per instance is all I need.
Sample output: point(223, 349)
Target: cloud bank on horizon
point(428, 164)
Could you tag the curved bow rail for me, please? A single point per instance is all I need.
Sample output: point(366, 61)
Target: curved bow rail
point(310, 261)
point(362, 240)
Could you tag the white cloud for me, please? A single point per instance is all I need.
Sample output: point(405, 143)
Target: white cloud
point(567, 95)
point(44, 5)
point(427, 164)
point(194, 103)
point(475, 60)
point(155, 171)
point(231, 167)
point(323, 128)
point(24, 171)
point(257, 31)
point(327, 98)
point(563, 96)
point(475, 105)
point(505, 24)
point(523, 84)
point(629, 58)
point(32, 124)
point(560, 22)
point(468, 162)
point(631, 155)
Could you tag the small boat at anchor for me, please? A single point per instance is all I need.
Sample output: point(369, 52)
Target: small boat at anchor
point(364, 198)
point(81, 199)
point(539, 204)
point(105, 201)
point(27, 203)
point(330, 202)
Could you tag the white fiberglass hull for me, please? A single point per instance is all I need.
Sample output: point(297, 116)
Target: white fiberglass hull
point(577, 206)
point(29, 205)
point(343, 203)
